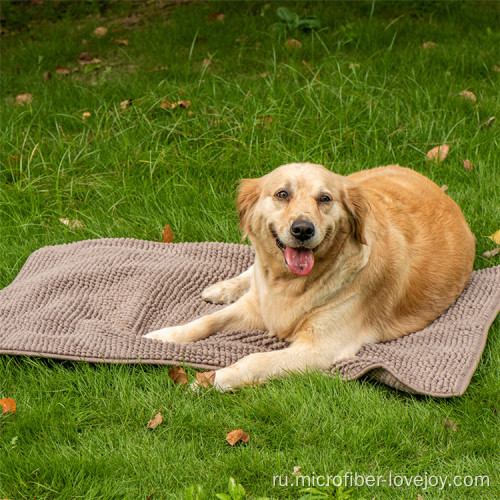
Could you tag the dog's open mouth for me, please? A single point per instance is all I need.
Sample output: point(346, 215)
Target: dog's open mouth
point(300, 260)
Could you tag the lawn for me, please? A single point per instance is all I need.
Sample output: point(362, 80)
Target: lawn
point(99, 143)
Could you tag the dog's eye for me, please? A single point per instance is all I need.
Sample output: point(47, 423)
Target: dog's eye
point(324, 198)
point(282, 195)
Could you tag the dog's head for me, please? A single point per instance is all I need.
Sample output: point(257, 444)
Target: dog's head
point(298, 211)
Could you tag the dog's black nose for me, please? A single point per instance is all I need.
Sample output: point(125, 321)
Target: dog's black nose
point(302, 229)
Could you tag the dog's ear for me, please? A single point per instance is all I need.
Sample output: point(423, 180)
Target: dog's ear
point(357, 206)
point(248, 195)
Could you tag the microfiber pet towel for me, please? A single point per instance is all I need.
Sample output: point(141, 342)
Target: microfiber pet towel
point(94, 300)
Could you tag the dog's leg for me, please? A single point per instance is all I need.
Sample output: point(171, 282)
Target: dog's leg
point(228, 291)
point(244, 313)
point(315, 350)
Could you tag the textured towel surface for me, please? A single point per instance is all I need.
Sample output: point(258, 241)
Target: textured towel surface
point(93, 300)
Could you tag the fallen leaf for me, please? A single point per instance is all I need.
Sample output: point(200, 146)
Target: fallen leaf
point(206, 379)
point(495, 237)
point(468, 165)
point(216, 16)
point(449, 423)
point(468, 95)
point(125, 104)
point(444, 187)
point(155, 421)
point(491, 253)
point(47, 75)
point(167, 235)
point(61, 70)
point(120, 42)
point(72, 223)
point(238, 435)
point(296, 470)
point(206, 62)
point(488, 122)
point(100, 32)
point(158, 68)
point(8, 405)
point(86, 115)
point(178, 375)
point(429, 45)
point(84, 57)
point(263, 75)
point(496, 68)
point(172, 105)
point(354, 65)
point(439, 153)
point(293, 44)
point(23, 99)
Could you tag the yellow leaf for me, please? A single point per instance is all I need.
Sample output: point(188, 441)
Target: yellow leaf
point(495, 237)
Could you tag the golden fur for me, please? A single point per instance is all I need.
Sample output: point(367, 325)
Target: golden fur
point(391, 252)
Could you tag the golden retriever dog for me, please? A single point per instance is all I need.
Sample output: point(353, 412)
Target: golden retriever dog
point(339, 262)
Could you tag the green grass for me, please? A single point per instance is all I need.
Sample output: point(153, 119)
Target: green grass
point(369, 95)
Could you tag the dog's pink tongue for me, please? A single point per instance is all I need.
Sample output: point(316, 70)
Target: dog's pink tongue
point(299, 260)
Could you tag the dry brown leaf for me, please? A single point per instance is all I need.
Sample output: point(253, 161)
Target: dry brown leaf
point(100, 31)
point(429, 45)
point(184, 104)
point(72, 223)
point(84, 57)
point(444, 187)
point(495, 237)
point(155, 421)
point(120, 42)
point(125, 104)
point(8, 405)
point(86, 115)
point(23, 99)
point(468, 95)
point(206, 379)
point(468, 165)
point(293, 44)
point(206, 62)
point(178, 375)
point(439, 153)
point(47, 75)
point(172, 105)
point(449, 423)
point(167, 235)
point(216, 16)
point(238, 435)
point(491, 253)
point(61, 70)
point(488, 122)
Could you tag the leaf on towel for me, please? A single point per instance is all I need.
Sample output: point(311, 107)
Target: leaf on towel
point(72, 223)
point(178, 375)
point(238, 435)
point(449, 423)
point(155, 421)
point(439, 153)
point(206, 379)
point(495, 237)
point(167, 235)
point(8, 405)
point(491, 253)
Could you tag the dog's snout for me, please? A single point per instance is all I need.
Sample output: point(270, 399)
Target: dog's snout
point(302, 229)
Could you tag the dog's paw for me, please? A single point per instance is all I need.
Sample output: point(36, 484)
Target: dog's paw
point(172, 334)
point(217, 294)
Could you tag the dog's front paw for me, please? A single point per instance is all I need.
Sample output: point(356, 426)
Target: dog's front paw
point(217, 294)
point(175, 334)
